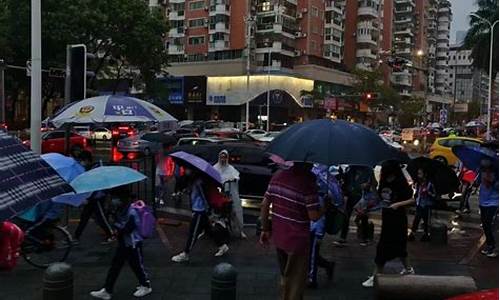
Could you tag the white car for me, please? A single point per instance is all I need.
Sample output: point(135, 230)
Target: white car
point(256, 133)
point(101, 133)
point(268, 137)
point(391, 143)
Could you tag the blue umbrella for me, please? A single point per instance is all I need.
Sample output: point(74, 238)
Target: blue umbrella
point(333, 143)
point(25, 179)
point(199, 164)
point(67, 167)
point(471, 156)
point(106, 177)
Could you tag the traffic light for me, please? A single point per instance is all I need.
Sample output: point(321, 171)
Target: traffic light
point(369, 96)
point(76, 73)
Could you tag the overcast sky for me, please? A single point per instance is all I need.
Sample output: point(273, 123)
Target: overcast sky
point(461, 10)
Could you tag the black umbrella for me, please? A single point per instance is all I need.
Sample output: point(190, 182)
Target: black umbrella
point(333, 143)
point(441, 175)
point(25, 178)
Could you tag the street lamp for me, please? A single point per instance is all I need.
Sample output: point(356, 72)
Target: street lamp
point(490, 78)
point(250, 24)
point(269, 63)
point(420, 52)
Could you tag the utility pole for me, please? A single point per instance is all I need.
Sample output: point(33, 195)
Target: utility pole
point(2, 90)
point(36, 76)
point(269, 65)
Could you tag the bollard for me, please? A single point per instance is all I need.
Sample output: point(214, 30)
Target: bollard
point(58, 282)
point(420, 287)
point(224, 279)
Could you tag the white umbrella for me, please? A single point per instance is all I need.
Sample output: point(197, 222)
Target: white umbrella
point(111, 109)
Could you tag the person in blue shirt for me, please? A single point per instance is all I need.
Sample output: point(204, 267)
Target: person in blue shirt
point(200, 222)
point(488, 203)
point(424, 196)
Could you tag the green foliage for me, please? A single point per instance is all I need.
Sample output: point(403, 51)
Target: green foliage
point(410, 110)
point(478, 36)
point(372, 82)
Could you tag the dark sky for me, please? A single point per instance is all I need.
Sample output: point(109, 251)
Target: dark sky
point(461, 10)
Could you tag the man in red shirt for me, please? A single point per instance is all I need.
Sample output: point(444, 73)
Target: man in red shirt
point(294, 198)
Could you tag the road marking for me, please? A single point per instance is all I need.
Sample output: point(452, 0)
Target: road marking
point(163, 238)
point(473, 251)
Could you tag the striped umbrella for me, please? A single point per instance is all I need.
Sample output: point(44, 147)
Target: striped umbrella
point(25, 179)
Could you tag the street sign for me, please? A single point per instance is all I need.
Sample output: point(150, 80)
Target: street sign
point(28, 68)
point(443, 116)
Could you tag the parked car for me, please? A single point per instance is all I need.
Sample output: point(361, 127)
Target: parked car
point(230, 134)
point(53, 141)
point(441, 149)
point(250, 160)
point(83, 131)
point(268, 137)
point(123, 131)
point(185, 132)
point(256, 133)
point(141, 143)
point(101, 133)
point(193, 141)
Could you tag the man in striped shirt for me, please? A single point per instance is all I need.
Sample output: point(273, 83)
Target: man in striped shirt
point(294, 198)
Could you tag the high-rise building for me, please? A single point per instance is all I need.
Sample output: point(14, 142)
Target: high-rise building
point(461, 83)
point(460, 36)
point(334, 30)
point(441, 82)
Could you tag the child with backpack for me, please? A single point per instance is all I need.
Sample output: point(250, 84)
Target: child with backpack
point(135, 223)
point(424, 196)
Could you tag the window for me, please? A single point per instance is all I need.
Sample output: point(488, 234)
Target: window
point(196, 5)
point(197, 40)
point(197, 23)
point(314, 11)
point(313, 45)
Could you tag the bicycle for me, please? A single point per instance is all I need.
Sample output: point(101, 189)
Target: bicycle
point(45, 243)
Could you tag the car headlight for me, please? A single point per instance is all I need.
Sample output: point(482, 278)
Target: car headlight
point(416, 142)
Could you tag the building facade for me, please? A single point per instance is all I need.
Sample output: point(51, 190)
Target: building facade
point(461, 75)
point(441, 78)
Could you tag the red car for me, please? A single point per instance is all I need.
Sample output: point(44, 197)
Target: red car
point(3, 127)
point(481, 295)
point(53, 141)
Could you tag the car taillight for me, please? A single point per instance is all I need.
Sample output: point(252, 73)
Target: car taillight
point(132, 155)
point(115, 132)
point(84, 143)
point(130, 132)
point(116, 155)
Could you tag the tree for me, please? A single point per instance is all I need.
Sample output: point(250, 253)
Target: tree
point(411, 110)
point(127, 35)
point(366, 81)
point(478, 36)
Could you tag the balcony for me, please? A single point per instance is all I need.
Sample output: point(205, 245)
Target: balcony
point(220, 9)
point(403, 51)
point(403, 41)
point(176, 32)
point(175, 49)
point(403, 20)
point(366, 39)
point(401, 79)
point(406, 32)
point(367, 11)
point(176, 15)
point(366, 53)
point(403, 10)
point(218, 27)
point(405, 2)
point(218, 45)
point(405, 93)
point(176, 1)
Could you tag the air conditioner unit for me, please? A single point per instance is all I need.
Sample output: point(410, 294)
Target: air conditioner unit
point(304, 10)
point(298, 34)
point(207, 21)
point(299, 16)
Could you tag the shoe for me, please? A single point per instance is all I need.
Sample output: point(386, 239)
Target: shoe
point(101, 294)
point(222, 250)
point(109, 240)
point(411, 237)
point(329, 270)
point(492, 254)
point(466, 211)
point(181, 257)
point(458, 212)
point(409, 271)
point(243, 235)
point(368, 283)
point(340, 243)
point(143, 291)
point(201, 235)
point(312, 285)
point(425, 238)
point(364, 243)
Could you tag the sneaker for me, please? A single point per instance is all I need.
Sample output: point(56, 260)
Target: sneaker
point(466, 211)
point(222, 250)
point(458, 212)
point(243, 235)
point(143, 291)
point(181, 257)
point(101, 294)
point(409, 271)
point(411, 237)
point(368, 283)
point(425, 238)
point(340, 243)
point(201, 235)
point(492, 254)
point(109, 240)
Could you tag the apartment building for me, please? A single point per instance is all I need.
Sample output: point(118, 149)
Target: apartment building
point(461, 75)
point(333, 45)
point(444, 15)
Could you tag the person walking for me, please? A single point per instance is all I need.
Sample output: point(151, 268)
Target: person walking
point(396, 194)
point(368, 202)
point(129, 248)
point(200, 223)
point(424, 196)
point(94, 206)
point(488, 204)
point(230, 177)
point(354, 178)
point(294, 197)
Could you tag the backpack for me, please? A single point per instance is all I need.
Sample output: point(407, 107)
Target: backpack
point(147, 221)
point(11, 238)
point(216, 199)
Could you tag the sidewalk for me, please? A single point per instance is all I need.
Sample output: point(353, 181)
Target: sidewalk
point(257, 267)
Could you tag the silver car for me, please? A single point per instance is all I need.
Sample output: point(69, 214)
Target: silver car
point(139, 143)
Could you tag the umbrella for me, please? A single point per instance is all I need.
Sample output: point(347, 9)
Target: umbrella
point(106, 177)
point(471, 156)
point(199, 164)
point(475, 123)
point(25, 179)
point(443, 178)
point(111, 109)
point(333, 143)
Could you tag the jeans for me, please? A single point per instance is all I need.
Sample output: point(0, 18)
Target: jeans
point(421, 213)
point(488, 214)
point(135, 261)
point(293, 269)
point(362, 223)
